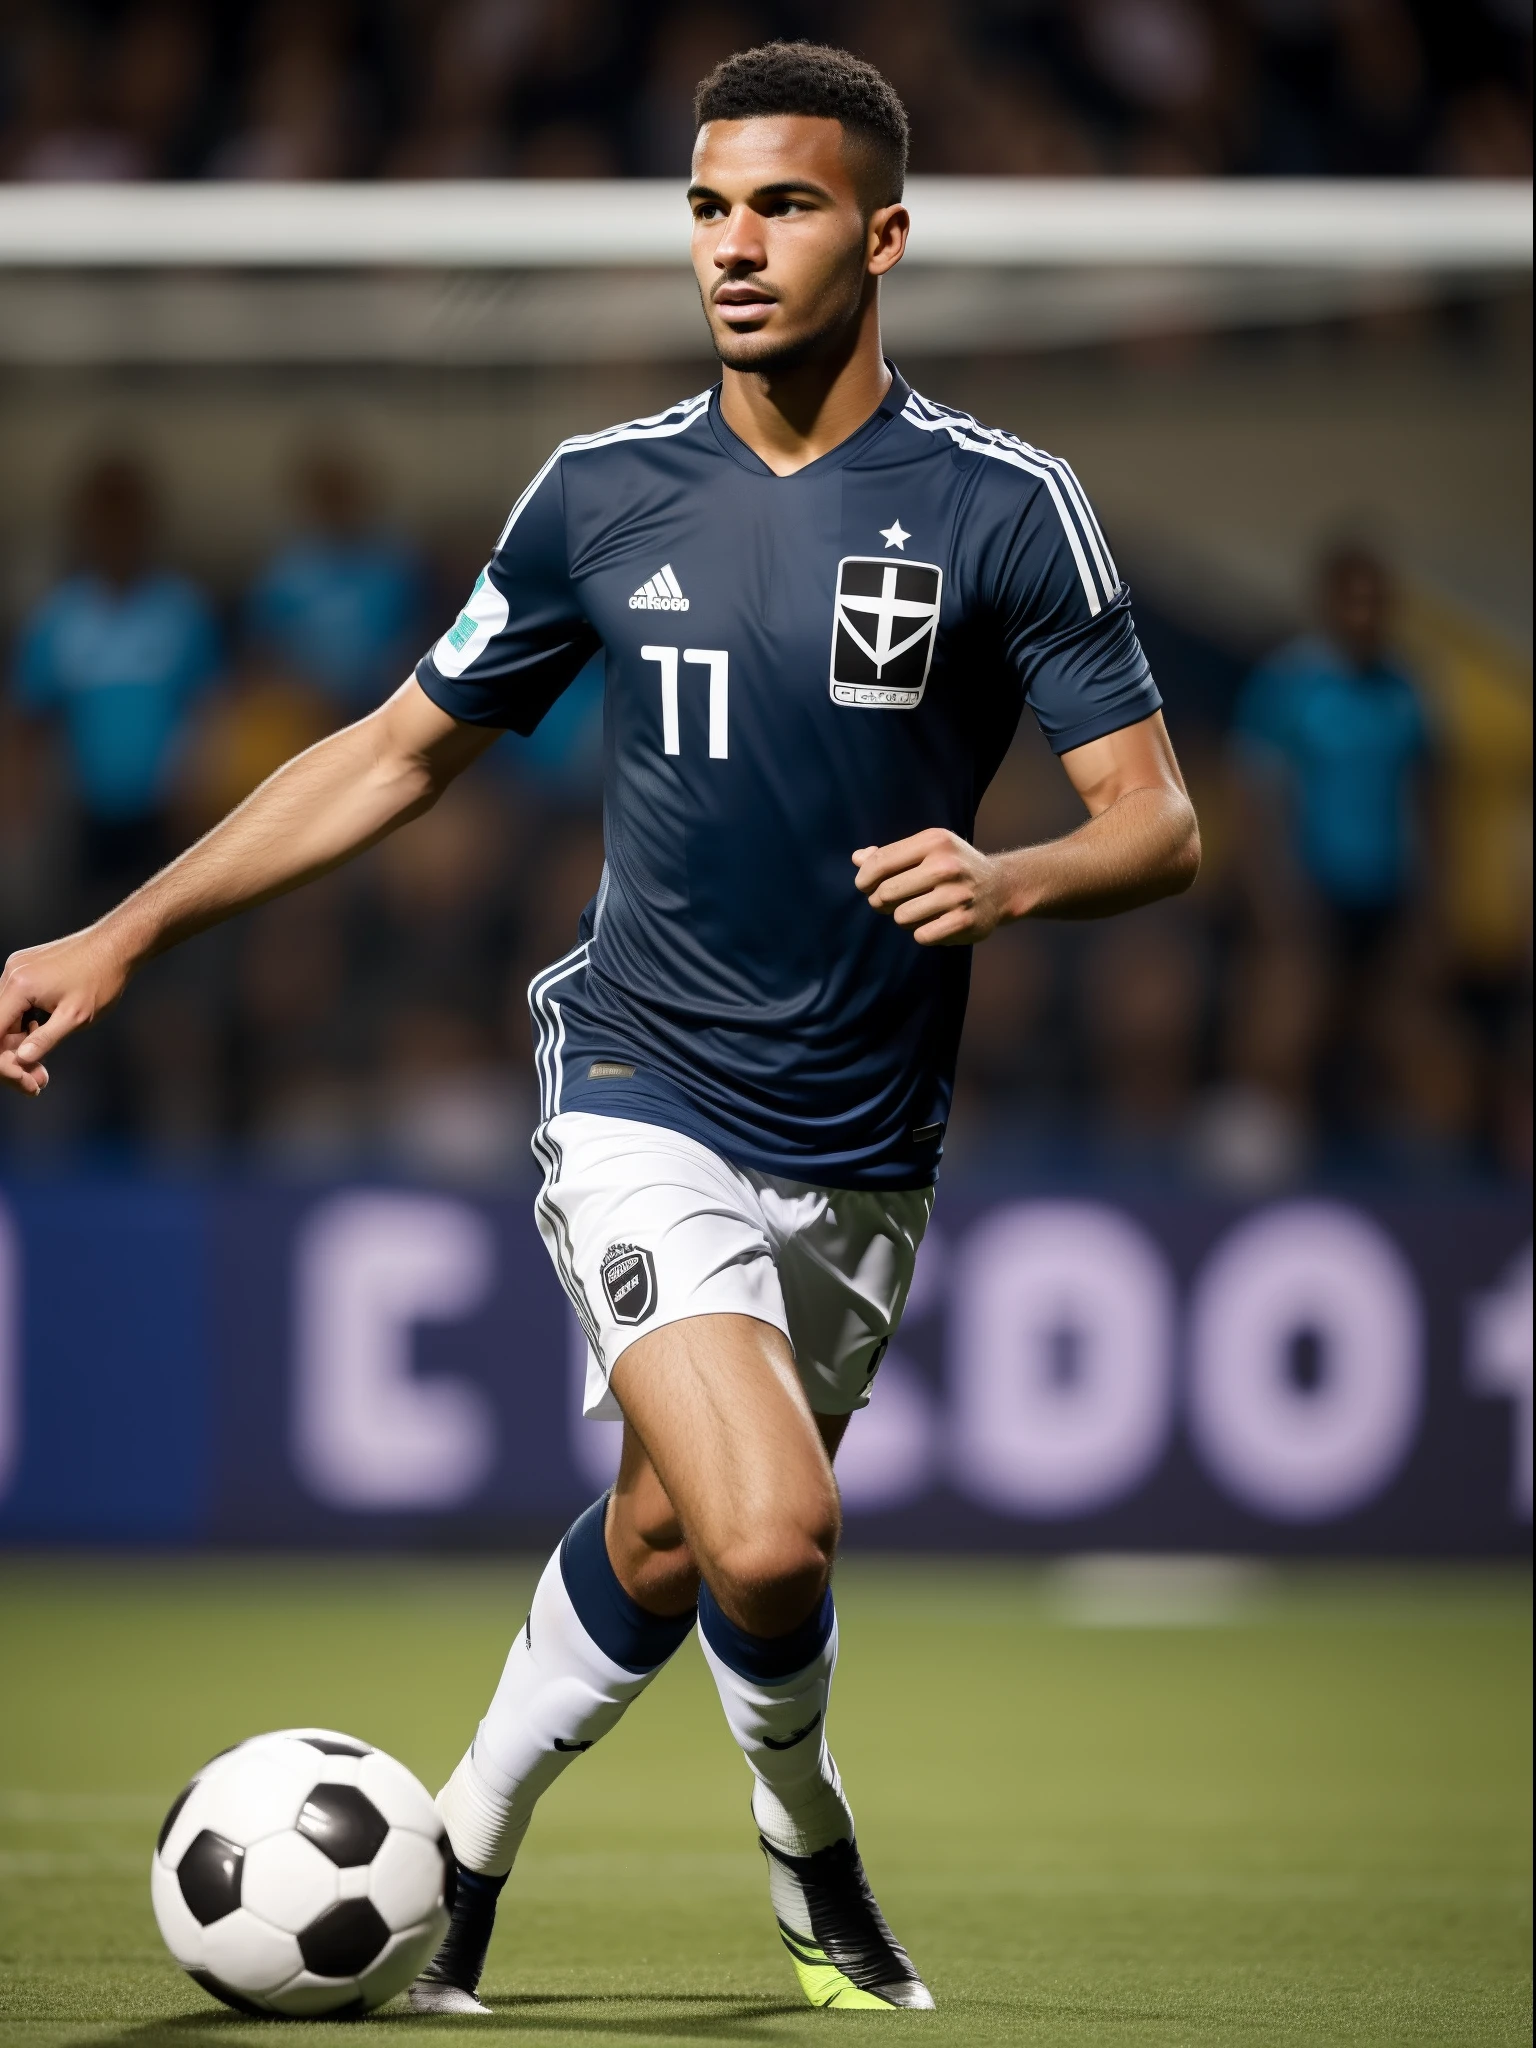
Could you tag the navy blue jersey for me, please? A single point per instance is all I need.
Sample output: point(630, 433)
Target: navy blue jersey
point(796, 666)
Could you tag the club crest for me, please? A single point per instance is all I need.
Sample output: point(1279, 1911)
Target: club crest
point(884, 625)
point(629, 1281)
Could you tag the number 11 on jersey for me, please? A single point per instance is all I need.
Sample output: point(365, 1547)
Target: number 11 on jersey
point(718, 662)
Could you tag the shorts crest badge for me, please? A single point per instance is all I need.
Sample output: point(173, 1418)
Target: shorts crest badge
point(629, 1281)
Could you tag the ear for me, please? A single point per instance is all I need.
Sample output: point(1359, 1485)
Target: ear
point(889, 227)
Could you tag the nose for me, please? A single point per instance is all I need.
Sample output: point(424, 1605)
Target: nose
point(740, 246)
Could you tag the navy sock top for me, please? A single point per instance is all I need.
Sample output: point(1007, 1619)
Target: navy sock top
point(765, 1658)
point(621, 1628)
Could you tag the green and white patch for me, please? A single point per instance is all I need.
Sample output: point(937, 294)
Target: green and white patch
point(474, 629)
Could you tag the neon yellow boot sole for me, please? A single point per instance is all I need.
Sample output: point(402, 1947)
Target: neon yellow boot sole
point(824, 1984)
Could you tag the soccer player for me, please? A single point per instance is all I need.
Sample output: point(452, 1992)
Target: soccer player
point(822, 601)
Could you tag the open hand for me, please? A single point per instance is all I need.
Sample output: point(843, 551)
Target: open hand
point(65, 985)
point(937, 886)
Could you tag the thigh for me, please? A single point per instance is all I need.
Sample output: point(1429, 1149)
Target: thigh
point(718, 1406)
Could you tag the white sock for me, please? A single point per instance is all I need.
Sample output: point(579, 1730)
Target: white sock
point(780, 1723)
point(559, 1692)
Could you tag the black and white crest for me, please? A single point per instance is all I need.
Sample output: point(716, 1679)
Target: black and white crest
point(629, 1281)
point(883, 630)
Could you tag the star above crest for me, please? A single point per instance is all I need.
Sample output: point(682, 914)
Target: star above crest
point(895, 535)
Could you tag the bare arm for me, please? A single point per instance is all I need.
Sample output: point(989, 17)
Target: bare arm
point(319, 809)
point(1140, 841)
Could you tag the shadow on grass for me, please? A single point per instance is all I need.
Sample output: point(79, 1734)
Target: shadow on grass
point(662, 2015)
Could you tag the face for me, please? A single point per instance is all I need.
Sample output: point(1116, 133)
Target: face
point(334, 493)
point(114, 515)
point(1356, 604)
point(784, 248)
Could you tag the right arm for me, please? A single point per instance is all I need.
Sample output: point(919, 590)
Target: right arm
point(317, 811)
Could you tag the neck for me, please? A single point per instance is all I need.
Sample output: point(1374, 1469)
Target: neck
point(118, 576)
point(790, 416)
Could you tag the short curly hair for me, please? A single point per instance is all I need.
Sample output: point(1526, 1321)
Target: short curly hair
point(826, 83)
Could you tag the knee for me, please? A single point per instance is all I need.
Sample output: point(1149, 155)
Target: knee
point(768, 1580)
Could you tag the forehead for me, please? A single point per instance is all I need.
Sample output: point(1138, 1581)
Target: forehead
point(773, 149)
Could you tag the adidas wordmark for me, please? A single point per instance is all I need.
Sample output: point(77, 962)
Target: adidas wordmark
point(660, 593)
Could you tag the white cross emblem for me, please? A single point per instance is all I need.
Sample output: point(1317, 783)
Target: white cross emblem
point(886, 610)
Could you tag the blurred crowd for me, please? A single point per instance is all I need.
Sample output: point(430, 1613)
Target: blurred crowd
point(1346, 991)
point(112, 89)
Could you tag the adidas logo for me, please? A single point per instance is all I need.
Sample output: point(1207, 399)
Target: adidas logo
point(660, 593)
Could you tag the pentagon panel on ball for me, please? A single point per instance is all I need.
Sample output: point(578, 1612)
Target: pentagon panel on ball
point(302, 1873)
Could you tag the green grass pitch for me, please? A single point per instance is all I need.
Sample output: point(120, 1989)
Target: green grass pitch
point(1305, 1821)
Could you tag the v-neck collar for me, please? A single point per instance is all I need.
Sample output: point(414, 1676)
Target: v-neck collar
point(732, 444)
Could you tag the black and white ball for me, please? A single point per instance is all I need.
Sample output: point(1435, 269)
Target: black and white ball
point(302, 1873)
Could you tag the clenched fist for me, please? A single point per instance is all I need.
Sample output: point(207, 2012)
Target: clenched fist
point(939, 887)
point(49, 991)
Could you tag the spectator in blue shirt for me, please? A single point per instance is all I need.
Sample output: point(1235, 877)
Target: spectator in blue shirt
point(117, 653)
point(341, 605)
point(1333, 732)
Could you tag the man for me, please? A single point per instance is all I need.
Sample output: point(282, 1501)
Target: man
point(1334, 754)
point(822, 600)
point(341, 602)
point(118, 652)
point(1334, 738)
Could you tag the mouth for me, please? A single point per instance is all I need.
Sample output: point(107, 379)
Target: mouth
point(739, 305)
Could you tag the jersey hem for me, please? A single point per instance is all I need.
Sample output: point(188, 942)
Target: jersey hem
point(892, 1180)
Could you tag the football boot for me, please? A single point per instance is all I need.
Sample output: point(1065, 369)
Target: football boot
point(844, 1954)
point(451, 1980)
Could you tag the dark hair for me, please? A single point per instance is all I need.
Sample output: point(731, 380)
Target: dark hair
point(828, 84)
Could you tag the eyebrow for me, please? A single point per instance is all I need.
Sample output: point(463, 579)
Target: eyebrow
point(785, 188)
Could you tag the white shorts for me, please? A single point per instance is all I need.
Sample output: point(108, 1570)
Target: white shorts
point(647, 1227)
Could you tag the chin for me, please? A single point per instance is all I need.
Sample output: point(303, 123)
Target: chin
point(764, 352)
point(760, 351)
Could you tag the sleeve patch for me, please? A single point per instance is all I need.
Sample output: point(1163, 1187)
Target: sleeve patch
point(476, 627)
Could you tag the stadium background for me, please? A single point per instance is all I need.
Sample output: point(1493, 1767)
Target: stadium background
point(1314, 1071)
point(1226, 1319)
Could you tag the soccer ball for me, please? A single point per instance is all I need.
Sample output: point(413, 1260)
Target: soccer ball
point(302, 1873)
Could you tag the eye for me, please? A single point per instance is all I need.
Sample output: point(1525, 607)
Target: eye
point(708, 210)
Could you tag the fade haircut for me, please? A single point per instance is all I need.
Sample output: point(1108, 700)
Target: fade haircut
point(828, 85)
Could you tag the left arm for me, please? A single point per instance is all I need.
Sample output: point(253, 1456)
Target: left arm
point(1141, 841)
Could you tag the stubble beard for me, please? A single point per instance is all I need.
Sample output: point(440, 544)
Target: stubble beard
point(762, 355)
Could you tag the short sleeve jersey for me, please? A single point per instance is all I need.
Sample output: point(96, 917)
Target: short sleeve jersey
point(795, 667)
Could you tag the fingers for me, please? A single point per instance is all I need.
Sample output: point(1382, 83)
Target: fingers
point(46, 993)
point(940, 874)
point(14, 1004)
point(41, 1038)
point(953, 928)
point(30, 1080)
point(877, 864)
point(898, 893)
point(19, 1057)
point(29, 1029)
point(934, 885)
point(950, 903)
